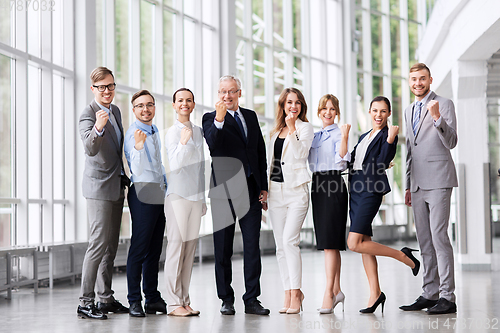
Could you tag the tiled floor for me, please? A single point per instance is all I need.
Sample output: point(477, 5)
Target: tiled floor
point(478, 301)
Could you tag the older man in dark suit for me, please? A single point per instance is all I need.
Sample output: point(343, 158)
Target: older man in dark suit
point(104, 181)
point(238, 153)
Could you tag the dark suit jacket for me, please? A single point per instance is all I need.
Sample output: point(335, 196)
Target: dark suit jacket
point(229, 142)
point(379, 155)
point(103, 155)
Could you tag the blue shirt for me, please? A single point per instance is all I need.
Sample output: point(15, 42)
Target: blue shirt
point(325, 150)
point(145, 164)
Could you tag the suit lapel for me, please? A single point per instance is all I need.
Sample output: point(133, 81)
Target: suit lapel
point(374, 141)
point(232, 122)
point(424, 112)
point(109, 128)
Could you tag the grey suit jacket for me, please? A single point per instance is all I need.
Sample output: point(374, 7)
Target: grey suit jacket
point(428, 163)
point(103, 155)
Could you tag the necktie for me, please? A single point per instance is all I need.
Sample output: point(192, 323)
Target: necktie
point(240, 125)
point(416, 116)
point(322, 136)
point(115, 125)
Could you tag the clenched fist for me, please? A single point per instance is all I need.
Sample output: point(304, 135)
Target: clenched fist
point(220, 111)
point(433, 107)
point(344, 129)
point(140, 138)
point(393, 132)
point(101, 118)
point(290, 121)
point(186, 133)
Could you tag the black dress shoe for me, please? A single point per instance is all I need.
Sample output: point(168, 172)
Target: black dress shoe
point(227, 308)
point(115, 307)
point(380, 300)
point(254, 307)
point(443, 306)
point(420, 304)
point(90, 312)
point(409, 254)
point(135, 310)
point(153, 308)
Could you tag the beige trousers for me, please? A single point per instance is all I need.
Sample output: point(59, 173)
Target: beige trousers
point(183, 226)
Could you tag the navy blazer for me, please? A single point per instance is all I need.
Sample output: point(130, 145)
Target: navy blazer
point(379, 155)
point(229, 142)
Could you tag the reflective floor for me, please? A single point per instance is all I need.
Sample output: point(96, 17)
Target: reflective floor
point(478, 302)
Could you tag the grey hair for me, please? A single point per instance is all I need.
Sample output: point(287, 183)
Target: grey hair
point(231, 77)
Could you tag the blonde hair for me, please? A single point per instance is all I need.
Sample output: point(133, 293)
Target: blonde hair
point(99, 74)
point(335, 101)
point(280, 109)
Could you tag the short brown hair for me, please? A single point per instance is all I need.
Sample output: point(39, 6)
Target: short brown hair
point(335, 101)
point(99, 74)
point(141, 93)
point(418, 67)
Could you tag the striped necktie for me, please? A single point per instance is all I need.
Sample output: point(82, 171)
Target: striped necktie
point(416, 116)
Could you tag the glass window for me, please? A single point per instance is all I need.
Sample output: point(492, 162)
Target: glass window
point(208, 79)
point(335, 79)
point(258, 24)
point(168, 51)
point(99, 26)
point(240, 68)
point(5, 23)
point(33, 26)
point(208, 12)
point(378, 86)
point(316, 29)
point(5, 129)
point(259, 79)
point(334, 38)
point(298, 76)
point(5, 225)
point(34, 133)
point(412, 10)
point(240, 22)
point(359, 35)
point(279, 73)
point(147, 46)
point(395, 47)
point(278, 23)
point(297, 25)
point(376, 34)
point(412, 41)
point(122, 41)
point(394, 7)
point(375, 4)
point(58, 35)
point(317, 88)
point(189, 54)
point(190, 7)
point(59, 225)
point(34, 223)
point(58, 136)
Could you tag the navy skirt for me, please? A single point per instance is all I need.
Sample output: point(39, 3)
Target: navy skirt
point(364, 207)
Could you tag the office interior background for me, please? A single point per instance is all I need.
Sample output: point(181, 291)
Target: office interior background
point(354, 49)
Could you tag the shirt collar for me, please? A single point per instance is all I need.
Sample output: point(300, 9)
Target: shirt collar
point(233, 111)
point(143, 127)
point(103, 107)
point(179, 124)
point(330, 127)
point(424, 100)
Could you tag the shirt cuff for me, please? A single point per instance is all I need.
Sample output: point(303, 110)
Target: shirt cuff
point(218, 124)
point(437, 123)
point(97, 132)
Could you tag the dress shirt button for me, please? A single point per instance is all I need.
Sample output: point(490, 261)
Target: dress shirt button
point(415, 144)
point(282, 163)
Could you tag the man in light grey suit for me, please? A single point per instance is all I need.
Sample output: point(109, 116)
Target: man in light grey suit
point(104, 182)
point(430, 177)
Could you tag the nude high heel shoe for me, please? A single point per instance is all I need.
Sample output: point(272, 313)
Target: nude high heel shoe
point(339, 298)
point(328, 310)
point(295, 311)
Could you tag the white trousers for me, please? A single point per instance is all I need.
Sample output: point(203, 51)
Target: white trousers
point(183, 222)
point(287, 211)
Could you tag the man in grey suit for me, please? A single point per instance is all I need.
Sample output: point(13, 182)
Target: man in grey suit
point(430, 177)
point(104, 182)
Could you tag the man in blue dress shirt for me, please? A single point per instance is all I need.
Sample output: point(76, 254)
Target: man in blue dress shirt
point(145, 200)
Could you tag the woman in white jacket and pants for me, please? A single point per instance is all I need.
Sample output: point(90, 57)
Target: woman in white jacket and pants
point(288, 198)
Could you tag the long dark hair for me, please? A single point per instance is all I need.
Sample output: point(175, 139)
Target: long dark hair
point(182, 89)
point(381, 99)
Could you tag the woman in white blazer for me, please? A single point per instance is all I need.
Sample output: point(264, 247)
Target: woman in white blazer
point(288, 198)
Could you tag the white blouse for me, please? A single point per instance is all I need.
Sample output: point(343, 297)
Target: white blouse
point(361, 150)
point(187, 163)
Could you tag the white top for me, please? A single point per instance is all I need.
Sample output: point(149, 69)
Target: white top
point(187, 163)
point(220, 124)
point(361, 150)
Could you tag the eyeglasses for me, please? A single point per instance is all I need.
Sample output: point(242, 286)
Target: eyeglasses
point(110, 87)
point(230, 92)
point(141, 106)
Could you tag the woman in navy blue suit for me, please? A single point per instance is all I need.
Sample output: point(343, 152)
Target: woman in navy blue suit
point(368, 184)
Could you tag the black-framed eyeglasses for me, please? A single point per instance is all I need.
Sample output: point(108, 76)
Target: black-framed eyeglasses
point(102, 88)
point(141, 106)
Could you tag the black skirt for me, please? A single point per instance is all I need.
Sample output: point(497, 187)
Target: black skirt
point(364, 208)
point(329, 205)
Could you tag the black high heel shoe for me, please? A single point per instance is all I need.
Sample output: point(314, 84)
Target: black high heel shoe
point(371, 309)
point(408, 252)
